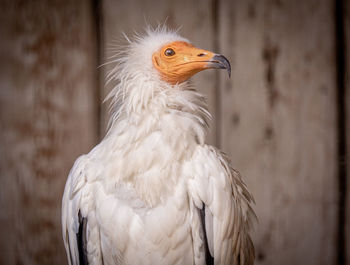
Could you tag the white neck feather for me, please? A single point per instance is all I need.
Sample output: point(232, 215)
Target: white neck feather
point(184, 103)
point(151, 133)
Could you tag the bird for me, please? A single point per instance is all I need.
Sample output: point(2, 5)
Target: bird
point(152, 191)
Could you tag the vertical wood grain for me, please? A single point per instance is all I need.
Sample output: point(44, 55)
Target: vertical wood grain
point(279, 123)
point(47, 80)
point(277, 113)
point(193, 16)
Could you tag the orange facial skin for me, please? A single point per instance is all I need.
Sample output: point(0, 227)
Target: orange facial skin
point(178, 61)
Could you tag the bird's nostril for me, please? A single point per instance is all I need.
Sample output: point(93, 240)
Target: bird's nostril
point(201, 54)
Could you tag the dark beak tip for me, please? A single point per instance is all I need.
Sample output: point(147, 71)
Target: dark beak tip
point(222, 62)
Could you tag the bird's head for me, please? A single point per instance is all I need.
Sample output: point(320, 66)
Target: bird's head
point(164, 55)
point(155, 64)
point(177, 61)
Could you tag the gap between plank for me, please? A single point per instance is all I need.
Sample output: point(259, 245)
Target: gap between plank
point(97, 17)
point(341, 126)
point(217, 100)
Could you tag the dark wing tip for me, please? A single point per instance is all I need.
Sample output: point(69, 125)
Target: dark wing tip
point(82, 240)
point(209, 259)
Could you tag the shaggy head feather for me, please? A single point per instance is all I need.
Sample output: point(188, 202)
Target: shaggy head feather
point(143, 86)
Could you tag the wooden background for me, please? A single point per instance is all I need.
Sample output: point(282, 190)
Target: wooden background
point(283, 117)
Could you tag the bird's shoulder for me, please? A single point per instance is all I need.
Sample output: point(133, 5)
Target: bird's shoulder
point(77, 177)
point(211, 164)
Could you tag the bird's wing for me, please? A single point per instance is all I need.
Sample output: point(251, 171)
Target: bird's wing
point(224, 203)
point(79, 227)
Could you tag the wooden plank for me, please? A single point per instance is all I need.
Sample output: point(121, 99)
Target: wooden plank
point(194, 18)
point(47, 106)
point(279, 123)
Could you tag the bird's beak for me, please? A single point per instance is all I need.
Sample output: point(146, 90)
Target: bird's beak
point(219, 61)
point(199, 59)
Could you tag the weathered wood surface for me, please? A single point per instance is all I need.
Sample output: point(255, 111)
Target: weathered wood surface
point(277, 114)
point(47, 118)
point(279, 123)
point(194, 17)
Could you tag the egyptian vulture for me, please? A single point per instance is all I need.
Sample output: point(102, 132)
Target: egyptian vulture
point(152, 191)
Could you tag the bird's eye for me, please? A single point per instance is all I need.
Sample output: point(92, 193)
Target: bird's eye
point(169, 52)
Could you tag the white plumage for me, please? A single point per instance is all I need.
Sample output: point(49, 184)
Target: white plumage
point(152, 192)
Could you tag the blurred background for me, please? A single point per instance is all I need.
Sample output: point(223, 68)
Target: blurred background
point(283, 117)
